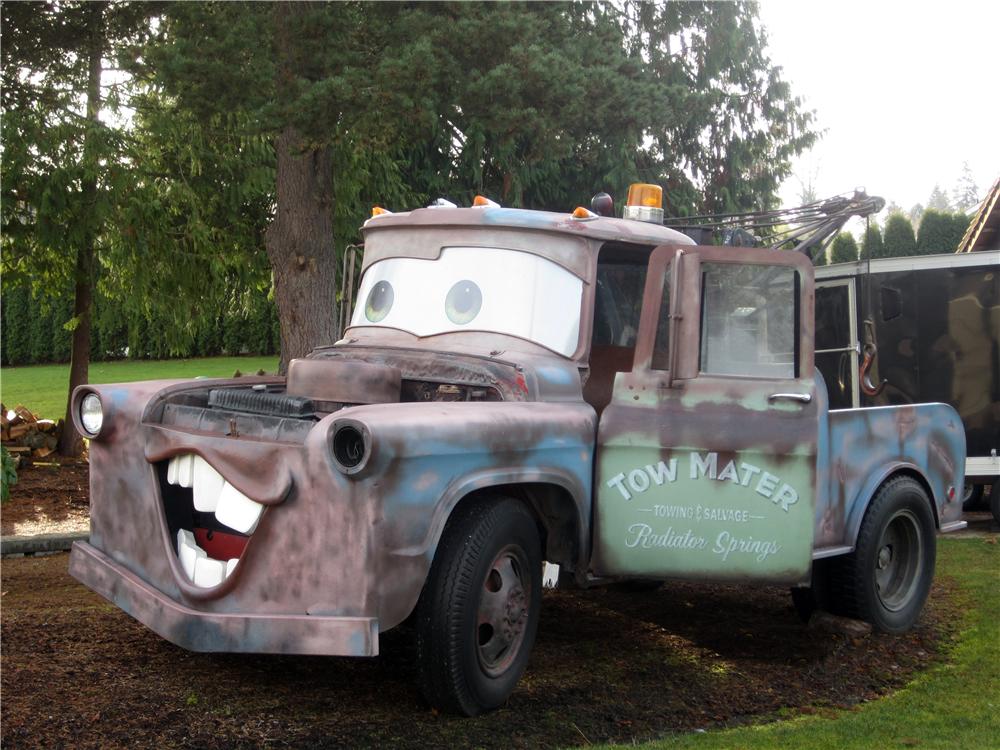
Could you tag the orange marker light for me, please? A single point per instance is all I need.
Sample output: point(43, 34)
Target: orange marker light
point(645, 203)
point(582, 213)
point(482, 200)
point(378, 211)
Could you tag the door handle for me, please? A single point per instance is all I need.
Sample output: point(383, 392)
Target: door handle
point(805, 398)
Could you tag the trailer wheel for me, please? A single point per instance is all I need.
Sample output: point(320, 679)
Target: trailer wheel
point(972, 496)
point(478, 613)
point(995, 501)
point(888, 576)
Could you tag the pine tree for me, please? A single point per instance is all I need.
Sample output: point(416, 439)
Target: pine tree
point(844, 248)
point(62, 164)
point(966, 194)
point(898, 240)
point(940, 232)
point(871, 242)
point(536, 105)
point(938, 200)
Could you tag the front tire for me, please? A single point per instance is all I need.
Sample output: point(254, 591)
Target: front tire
point(995, 501)
point(478, 613)
point(887, 578)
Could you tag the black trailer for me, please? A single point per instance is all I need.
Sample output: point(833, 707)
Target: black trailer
point(915, 330)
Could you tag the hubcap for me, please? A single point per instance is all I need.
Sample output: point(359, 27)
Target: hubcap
point(503, 612)
point(899, 561)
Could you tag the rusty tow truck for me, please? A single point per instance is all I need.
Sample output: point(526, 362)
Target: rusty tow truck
point(516, 390)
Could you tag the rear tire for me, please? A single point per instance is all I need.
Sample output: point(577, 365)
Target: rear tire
point(972, 496)
point(995, 501)
point(478, 613)
point(888, 576)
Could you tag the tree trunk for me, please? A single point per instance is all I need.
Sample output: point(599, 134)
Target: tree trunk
point(300, 238)
point(70, 443)
point(300, 248)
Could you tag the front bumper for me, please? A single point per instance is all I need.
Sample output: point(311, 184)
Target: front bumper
point(223, 632)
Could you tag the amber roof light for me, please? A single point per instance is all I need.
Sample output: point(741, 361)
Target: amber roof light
point(645, 203)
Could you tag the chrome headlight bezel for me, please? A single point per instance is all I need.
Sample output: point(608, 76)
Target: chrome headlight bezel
point(90, 413)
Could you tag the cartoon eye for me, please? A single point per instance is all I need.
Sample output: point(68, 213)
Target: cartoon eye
point(463, 302)
point(379, 301)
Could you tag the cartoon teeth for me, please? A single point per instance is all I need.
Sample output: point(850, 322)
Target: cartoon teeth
point(213, 494)
point(207, 485)
point(180, 470)
point(236, 510)
point(198, 566)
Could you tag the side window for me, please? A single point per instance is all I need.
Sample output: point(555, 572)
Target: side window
point(661, 347)
point(749, 320)
point(618, 302)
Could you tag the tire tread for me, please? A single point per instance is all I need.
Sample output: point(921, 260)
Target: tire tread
point(848, 575)
point(439, 621)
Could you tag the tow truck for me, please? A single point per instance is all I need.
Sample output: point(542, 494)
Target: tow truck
point(600, 398)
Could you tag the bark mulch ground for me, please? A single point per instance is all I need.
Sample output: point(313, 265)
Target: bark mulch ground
point(608, 666)
point(47, 499)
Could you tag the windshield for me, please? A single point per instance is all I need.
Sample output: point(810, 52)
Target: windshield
point(474, 289)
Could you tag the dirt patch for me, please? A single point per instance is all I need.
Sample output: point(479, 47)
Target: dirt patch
point(48, 499)
point(608, 666)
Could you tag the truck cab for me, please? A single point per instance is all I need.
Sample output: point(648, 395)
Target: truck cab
point(515, 387)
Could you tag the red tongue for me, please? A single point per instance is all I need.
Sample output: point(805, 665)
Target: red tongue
point(220, 545)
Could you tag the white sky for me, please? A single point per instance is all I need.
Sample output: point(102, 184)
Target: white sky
point(906, 91)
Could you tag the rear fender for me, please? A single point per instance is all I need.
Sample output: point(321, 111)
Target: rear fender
point(871, 487)
point(870, 445)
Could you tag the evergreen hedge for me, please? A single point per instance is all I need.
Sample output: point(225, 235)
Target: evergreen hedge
point(33, 330)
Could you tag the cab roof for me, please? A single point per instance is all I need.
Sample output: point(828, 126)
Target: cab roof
point(600, 228)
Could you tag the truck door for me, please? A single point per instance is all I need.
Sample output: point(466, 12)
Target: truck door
point(706, 458)
point(837, 344)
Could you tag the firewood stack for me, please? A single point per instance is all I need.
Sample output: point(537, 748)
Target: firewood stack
point(23, 434)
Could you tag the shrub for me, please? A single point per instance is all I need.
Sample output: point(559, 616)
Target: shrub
point(844, 248)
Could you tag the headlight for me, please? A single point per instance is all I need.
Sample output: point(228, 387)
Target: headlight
point(91, 414)
point(350, 449)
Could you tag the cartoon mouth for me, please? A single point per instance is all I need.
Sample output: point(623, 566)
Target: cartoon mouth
point(210, 537)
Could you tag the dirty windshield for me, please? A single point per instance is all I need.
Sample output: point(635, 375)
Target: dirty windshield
point(474, 289)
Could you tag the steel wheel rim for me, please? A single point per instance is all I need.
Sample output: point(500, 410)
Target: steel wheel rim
point(502, 615)
point(899, 560)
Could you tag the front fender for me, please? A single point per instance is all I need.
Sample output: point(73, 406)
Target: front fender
point(426, 457)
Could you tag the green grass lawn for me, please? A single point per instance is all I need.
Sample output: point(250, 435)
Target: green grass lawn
point(954, 705)
point(43, 388)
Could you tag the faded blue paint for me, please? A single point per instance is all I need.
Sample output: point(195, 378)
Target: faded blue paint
point(874, 443)
point(557, 375)
point(518, 217)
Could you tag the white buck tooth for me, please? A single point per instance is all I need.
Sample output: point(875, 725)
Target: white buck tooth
point(172, 470)
point(231, 566)
point(236, 510)
point(185, 470)
point(188, 551)
point(207, 486)
point(209, 572)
